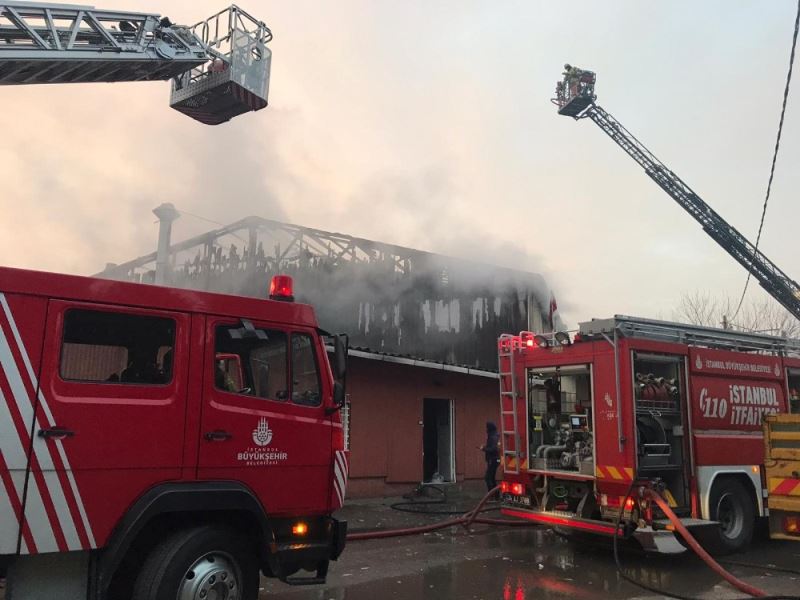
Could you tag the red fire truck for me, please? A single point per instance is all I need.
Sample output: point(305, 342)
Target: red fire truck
point(160, 443)
point(628, 402)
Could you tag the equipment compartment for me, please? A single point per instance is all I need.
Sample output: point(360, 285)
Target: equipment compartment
point(658, 395)
point(560, 427)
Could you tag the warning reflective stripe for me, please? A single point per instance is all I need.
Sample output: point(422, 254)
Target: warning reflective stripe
point(340, 475)
point(784, 486)
point(41, 451)
point(9, 524)
point(16, 493)
point(49, 416)
point(611, 472)
point(342, 457)
point(81, 509)
point(337, 483)
point(14, 454)
point(342, 460)
point(56, 512)
point(10, 511)
point(37, 519)
point(51, 421)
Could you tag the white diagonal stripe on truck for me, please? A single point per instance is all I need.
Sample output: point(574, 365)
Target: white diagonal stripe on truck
point(25, 406)
point(340, 476)
point(9, 522)
point(14, 453)
point(49, 415)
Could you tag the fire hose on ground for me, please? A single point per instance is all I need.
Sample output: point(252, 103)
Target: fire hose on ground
point(471, 517)
point(695, 546)
point(467, 519)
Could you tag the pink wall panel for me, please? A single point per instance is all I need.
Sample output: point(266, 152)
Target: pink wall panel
point(386, 411)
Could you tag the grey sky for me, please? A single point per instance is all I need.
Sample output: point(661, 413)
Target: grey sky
point(427, 124)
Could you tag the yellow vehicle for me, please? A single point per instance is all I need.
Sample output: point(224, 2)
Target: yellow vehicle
point(782, 470)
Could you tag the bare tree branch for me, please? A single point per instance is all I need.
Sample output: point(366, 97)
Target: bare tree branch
point(703, 308)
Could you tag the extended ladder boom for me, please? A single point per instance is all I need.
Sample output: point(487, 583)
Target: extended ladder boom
point(575, 98)
point(51, 43)
point(220, 66)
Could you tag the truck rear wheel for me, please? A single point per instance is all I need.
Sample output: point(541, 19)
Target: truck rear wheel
point(199, 564)
point(732, 506)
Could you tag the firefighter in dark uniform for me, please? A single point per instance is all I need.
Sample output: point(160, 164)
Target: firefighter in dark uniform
point(491, 451)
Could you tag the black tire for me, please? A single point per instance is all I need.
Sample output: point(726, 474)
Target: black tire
point(202, 558)
point(732, 505)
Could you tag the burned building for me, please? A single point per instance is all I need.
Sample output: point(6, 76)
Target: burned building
point(388, 298)
point(423, 334)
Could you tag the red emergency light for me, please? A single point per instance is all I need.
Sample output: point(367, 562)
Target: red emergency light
point(517, 489)
point(281, 288)
point(526, 338)
point(505, 487)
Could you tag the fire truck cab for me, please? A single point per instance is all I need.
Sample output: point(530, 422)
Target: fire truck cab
point(589, 420)
point(158, 442)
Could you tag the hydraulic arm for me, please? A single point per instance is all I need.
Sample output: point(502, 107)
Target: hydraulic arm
point(575, 98)
point(219, 67)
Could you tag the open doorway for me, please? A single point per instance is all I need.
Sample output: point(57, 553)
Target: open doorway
point(438, 464)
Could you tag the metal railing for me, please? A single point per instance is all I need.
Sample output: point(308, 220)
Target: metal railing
point(217, 32)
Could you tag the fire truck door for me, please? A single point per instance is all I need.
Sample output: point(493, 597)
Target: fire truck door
point(263, 419)
point(110, 418)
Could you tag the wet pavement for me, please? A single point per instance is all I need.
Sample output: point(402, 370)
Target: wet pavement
point(520, 564)
point(526, 564)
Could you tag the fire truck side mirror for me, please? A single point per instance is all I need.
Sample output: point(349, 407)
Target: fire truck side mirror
point(339, 366)
point(338, 394)
point(341, 342)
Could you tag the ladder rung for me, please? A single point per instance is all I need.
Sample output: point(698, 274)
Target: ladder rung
point(504, 374)
point(508, 393)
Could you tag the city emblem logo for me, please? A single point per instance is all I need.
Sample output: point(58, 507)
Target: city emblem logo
point(698, 363)
point(261, 453)
point(609, 400)
point(262, 434)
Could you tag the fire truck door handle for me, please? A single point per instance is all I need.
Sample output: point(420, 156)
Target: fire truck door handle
point(57, 433)
point(218, 435)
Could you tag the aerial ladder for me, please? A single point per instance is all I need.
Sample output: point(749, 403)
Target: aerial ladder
point(575, 98)
point(219, 67)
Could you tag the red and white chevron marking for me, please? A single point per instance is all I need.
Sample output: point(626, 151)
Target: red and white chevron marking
point(54, 514)
point(340, 469)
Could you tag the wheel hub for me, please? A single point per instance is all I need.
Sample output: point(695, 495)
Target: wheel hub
point(730, 517)
point(214, 576)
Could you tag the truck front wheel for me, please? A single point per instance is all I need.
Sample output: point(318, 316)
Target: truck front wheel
point(732, 506)
point(198, 564)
